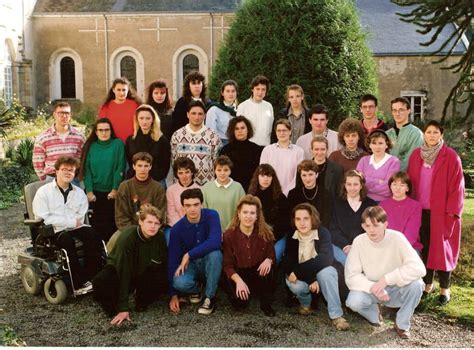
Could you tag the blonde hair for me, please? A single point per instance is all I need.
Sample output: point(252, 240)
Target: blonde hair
point(155, 132)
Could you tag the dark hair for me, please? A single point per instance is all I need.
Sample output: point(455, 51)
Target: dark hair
point(319, 109)
point(131, 94)
point(233, 123)
point(192, 193)
point(167, 103)
point(92, 138)
point(378, 133)
point(265, 169)
point(402, 176)
point(227, 83)
point(353, 173)
point(435, 124)
point(61, 104)
point(196, 103)
point(401, 100)
point(312, 211)
point(183, 163)
point(191, 77)
point(348, 126)
point(368, 97)
point(71, 161)
point(305, 165)
point(222, 161)
point(260, 79)
point(145, 156)
point(375, 214)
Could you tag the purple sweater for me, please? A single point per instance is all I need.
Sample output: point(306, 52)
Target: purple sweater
point(377, 179)
point(404, 216)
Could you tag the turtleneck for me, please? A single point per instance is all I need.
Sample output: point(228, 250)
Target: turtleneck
point(106, 142)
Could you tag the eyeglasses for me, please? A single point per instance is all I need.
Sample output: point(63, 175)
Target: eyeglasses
point(401, 110)
point(66, 170)
point(103, 130)
point(61, 113)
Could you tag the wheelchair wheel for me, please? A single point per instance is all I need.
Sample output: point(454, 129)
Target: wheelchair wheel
point(55, 291)
point(30, 280)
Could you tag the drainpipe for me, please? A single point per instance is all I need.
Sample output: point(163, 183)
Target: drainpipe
point(106, 53)
point(212, 38)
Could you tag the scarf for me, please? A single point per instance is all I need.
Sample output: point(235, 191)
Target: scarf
point(229, 109)
point(352, 155)
point(306, 249)
point(429, 154)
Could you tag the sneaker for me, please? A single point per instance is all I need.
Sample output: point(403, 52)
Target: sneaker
point(207, 307)
point(341, 324)
point(305, 310)
point(86, 288)
point(195, 298)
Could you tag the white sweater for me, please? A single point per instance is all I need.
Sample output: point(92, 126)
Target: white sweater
point(393, 257)
point(260, 115)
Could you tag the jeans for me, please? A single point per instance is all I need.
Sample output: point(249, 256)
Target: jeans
point(167, 235)
point(339, 254)
point(406, 298)
point(280, 246)
point(208, 269)
point(327, 279)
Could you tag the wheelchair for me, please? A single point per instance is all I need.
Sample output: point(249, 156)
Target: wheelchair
point(45, 266)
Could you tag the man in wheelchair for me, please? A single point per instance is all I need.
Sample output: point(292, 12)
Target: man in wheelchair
point(63, 205)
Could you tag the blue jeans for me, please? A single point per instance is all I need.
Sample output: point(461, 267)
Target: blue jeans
point(280, 246)
point(406, 298)
point(339, 254)
point(208, 269)
point(327, 279)
point(167, 235)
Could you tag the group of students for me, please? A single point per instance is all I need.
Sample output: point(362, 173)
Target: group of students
point(248, 193)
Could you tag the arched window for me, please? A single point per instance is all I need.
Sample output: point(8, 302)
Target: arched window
point(186, 59)
point(128, 69)
point(8, 78)
point(68, 77)
point(190, 63)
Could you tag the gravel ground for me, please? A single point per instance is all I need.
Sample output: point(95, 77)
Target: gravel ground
point(80, 322)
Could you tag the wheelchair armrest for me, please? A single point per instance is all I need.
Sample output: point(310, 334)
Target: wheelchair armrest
point(33, 222)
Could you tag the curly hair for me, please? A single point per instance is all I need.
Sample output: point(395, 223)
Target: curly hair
point(233, 123)
point(167, 103)
point(349, 126)
point(192, 77)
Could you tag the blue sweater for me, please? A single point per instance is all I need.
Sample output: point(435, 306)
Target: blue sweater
point(197, 240)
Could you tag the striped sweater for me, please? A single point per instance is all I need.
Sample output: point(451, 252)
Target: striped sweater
point(49, 146)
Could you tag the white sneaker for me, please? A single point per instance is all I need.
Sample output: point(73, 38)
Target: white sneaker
point(86, 288)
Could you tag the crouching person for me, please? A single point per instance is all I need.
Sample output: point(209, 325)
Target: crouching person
point(195, 257)
point(249, 256)
point(307, 264)
point(383, 268)
point(137, 263)
point(63, 205)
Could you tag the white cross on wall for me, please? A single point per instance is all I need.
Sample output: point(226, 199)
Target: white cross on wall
point(158, 29)
point(221, 28)
point(96, 30)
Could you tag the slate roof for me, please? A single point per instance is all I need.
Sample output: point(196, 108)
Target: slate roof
point(389, 36)
point(127, 6)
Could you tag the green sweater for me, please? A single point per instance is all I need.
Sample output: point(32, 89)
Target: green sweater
point(132, 255)
point(409, 138)
point(104, 165)
point(223, 200)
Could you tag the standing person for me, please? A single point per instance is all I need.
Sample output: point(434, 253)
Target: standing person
point(351, 137)
point(307, 264)
point(383, 268)
point(403, 212)
point(405, 136)
point(60, 140)
point(184, 171)
point(159, 98)
point(438, 182)
point(283, 156)
point(194, 89)
point(197, 142)
point(368, 107)
point(249, 256)
point(223, 193)
point(119, 106)
point(219, 114)
point(346, 214)
point(102, 167)
point(378, 167)
point(318, 119)
point(258, 111)
point(266, 187)
point(243, 153)
point(329, 173)
point(194, 254)
point(296, 111)
point(147, 137)
point(137, 264)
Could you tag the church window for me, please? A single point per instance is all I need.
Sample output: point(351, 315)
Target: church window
point(68, 77)
point(8, 78)
point(128, 69)
point(190, 63)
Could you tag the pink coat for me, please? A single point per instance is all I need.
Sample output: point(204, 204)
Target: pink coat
point(447, 197)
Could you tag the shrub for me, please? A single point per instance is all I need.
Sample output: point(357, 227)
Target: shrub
point(23, 154)
point(318, 44)
point(12, 180)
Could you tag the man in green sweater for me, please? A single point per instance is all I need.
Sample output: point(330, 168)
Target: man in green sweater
point(138, 263)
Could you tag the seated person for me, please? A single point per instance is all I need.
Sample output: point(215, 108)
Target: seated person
point(249, 256)
point(223, 193)
point(383, 268)
point(63, 205)
point(137, 264)
point(307, 264)
point(184, 171)
point(194, 255)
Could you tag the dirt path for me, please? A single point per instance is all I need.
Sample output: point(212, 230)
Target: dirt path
point(80, 322)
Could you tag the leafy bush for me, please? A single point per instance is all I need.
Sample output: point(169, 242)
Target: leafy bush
point(12, 180)
point(23, 154)
point(318, 44)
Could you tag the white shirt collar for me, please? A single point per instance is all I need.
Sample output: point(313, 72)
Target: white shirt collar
point(226, 185)
point(381, 163)
point(188, 128)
